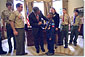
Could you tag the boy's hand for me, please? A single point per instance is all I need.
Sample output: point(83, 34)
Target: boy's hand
point(15, 33)
point(56, 29)
point(78, 30)
point(39, 23)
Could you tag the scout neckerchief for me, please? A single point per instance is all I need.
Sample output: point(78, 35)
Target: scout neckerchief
point(74, 19)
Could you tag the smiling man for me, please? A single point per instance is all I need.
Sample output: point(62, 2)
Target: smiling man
point(17, 24)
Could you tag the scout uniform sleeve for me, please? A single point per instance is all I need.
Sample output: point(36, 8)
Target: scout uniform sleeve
point(80, 22)
point(12, 17)
point(69, 20)
point(2, 15)
point(3, 18)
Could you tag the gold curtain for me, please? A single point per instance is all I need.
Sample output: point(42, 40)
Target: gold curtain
point(25, 4)
point(38, 0)
point(65, 4)
point(47, 5)
point(30, 6)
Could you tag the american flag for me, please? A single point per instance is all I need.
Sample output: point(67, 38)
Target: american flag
point(28, 24)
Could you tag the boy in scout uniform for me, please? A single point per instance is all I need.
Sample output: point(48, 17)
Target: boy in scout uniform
point(50, 29)
point(17, 24)
point(5, 18)
point(65, 22)
point(75, 28)
point(56, 21)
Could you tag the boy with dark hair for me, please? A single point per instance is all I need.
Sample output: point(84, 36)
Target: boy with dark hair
point(8, 4)
point(6, 25)
point(57, 29)
point(76, 27)
point(50, 29)
point(17, 24)
point(64, 31)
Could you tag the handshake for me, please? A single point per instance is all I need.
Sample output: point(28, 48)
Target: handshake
point(39, 23)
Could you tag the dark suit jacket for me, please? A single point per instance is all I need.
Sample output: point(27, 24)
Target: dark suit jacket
point(56, 20)
point(34, 22)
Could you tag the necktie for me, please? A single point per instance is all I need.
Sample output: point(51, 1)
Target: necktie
point(37, 17)
point(74, 18)
point(63, 17)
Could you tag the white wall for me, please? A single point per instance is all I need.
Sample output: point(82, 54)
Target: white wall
point(74, 4)
point(2, 5)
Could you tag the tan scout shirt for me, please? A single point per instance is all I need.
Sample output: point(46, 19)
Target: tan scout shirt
point(18, 19)
point(66, 19)
point(78, 21)
point(5, 15)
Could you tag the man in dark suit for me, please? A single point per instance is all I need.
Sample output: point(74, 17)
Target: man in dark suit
point(35, 22)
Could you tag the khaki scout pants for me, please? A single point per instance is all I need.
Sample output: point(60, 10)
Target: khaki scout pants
point(20, 41)
point(75, 33)
point(64, 34)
